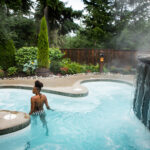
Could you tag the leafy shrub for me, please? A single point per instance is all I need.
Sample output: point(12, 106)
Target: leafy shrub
point(25, 55)
point(55, 67)
point(1, 68)
point(30, 67)
point(66, 66)
point(7, 53)
point(74, 68)
point(12, 71)
point(1, 73)
point(56, 61)
point(64, 70)
point(43, 46)
point(56, 54)
point(91, 68)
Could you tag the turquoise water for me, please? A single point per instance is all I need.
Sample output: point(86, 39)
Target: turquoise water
point(103, 120)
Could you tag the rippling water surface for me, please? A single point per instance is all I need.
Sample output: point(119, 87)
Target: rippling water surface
point(103, 120)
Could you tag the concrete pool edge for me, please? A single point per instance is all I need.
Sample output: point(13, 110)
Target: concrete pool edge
point(77, 90)
point(10, 125)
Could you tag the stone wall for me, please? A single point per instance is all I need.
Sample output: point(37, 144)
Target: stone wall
point(141, 103)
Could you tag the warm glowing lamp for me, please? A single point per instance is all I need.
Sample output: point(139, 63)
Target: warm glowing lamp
point(101, 58)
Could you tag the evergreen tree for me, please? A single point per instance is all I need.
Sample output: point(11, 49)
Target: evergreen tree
point(98, 21)
point(60, 19)
point(7, 53)
point(43, 46)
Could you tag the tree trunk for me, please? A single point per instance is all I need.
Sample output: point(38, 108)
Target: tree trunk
point(52, 32)
point(48, 28)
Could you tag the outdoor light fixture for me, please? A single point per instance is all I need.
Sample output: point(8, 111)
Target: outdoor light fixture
point(101, 62)
point(101, 57)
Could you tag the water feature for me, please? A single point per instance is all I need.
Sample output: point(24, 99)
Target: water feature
point(141, 104)
point(103, 120)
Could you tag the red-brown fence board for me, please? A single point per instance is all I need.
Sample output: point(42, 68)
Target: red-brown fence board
point(112, 57)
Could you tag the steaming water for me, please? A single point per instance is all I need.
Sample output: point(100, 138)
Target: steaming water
point(103, 120)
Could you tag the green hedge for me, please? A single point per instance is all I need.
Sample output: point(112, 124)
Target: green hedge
point(7, 53)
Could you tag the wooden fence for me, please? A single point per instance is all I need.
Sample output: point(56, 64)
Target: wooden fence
point(112, 57)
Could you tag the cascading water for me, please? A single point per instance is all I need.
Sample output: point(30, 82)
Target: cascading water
point(141, 104)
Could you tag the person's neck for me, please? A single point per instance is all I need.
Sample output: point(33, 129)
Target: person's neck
point(38, 93)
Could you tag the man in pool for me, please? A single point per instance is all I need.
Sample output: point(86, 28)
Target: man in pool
point(38, 100)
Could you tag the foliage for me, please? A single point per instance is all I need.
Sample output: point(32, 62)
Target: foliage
point(24, 31)
point(69, 67)
point(55, 66)
point(74, 68)
point(43, 46)
point(1, 68)
point(98, 20)
point(66, 66)
point(79, 41)
point(16, 26)
point(25, 55)
point(64, 70)
point(60, 19)
point(30, 67)
point(131, 21)
point(1, 73)
point(11, 71)
point(17, 5)
point(56, 60)
point(7, 53)
point(56, 54)
point(92, 68)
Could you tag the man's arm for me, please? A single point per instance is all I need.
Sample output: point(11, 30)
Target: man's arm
point(32, 106)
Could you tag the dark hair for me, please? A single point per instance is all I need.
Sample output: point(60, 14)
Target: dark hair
point(38, 84)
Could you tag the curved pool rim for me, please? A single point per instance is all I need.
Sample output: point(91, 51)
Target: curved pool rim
point(19, 120)
point(78, 84)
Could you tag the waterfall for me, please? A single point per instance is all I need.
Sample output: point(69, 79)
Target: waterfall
point(148, 117)
point(141, 103)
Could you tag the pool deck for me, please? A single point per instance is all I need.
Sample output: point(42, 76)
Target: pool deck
point(65, 85)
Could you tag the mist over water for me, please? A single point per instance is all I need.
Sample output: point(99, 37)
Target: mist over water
point(134, 23)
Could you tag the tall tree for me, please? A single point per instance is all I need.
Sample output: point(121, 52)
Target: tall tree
point(98, 20)
point(7, 52)
point(60, 19)
point(131, 18)
point(17, 5)
point(116, 23)
point(15, 23)
point(43, 47)
point(24, 31)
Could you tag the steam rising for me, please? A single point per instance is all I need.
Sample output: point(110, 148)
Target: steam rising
point(135, 32)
